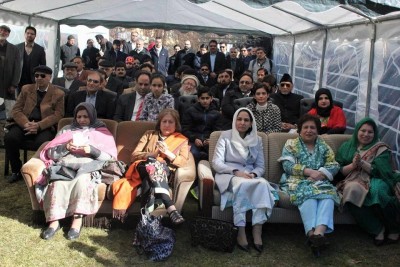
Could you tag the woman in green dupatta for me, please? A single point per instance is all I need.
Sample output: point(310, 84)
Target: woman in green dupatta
point(370, 188)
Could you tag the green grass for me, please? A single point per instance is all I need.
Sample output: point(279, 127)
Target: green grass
point(283, 244)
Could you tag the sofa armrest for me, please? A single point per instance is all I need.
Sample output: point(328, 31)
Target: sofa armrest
point(184, 178)
point(30, 171)
point(206, 187)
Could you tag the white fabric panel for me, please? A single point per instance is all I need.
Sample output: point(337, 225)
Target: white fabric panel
point(307, 63)
point(347, 68)
point(385, 93)
point(283, 47)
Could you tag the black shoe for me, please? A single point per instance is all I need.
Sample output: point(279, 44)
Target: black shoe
point(244, 247)
point(49, 232)
point(73, 234)
point(15, 177)
point(258, 247)
point(379, 242)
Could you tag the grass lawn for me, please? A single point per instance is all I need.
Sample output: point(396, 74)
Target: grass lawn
point(283, 244)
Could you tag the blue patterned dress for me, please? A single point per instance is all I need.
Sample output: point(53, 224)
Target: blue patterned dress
point(153, 106)
point(295, 158)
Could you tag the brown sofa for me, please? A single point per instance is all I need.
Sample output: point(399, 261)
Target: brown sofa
point(284, 211)
point(127, 135)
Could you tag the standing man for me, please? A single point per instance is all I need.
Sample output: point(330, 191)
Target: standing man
point(261, 62)
point(35, 115)
point(90, 55)
point(224, 48)
point(235, 63)
point(140, 51)
point(69, 50)
point(32, 55)
point(159, 55)
point(171, 68)
point(10, 69)
point(185, 56)
point(115, 55)
point(215, 59)
point(105, 45)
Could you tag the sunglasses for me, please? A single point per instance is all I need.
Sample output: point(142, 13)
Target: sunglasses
point(41, 75)
point(286, 84)
point(93, 81)
point(245, 82)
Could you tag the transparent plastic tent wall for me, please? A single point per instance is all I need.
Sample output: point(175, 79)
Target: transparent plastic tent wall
point(360, 64)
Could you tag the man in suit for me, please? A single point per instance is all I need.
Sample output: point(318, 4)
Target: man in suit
point(116, 55)
point(90, 55)
point(185, 56)
point(10, 69)
point(204, 76)
point(35, 115)
point(159, 55)
point(130, 105)
point(32, 55)
point(215, 59)
point(235, 63)
point(113, 83)
point(103, 101)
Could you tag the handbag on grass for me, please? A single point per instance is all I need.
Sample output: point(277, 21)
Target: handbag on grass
point(213, 234)
point(152, 238)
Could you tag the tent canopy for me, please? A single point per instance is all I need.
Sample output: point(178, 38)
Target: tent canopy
point(218, 16)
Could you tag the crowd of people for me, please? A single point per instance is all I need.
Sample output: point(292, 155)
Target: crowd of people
point(124, 81)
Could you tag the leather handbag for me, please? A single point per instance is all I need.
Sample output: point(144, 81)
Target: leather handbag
point(213, 234)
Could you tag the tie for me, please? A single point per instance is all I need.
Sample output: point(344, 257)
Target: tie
point(139, 110)
point(205, 78)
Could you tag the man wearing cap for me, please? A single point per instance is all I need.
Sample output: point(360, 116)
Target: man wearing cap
point(32, 55)
point(115, 55)
point(10, 69)
point(35, 115)
point(131, 68)
point(288, 103)
point(69, 82)
point(69, 50)
point(103, 101)
point(90, 55)
point(159, 55)
point(189, 85)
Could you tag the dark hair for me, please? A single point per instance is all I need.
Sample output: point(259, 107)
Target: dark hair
point(204, 65)
point(158, 76)
point(270, 79)
point(213, 41)
point(204, 46)
point(204, 90)
point(171, 112)
point(189, 71)
point(263, 69)
point(142, 72)
point(246, 74)
point(181, 69)
point(120, 64)
point(144, 65)
point(260, 48)
point(102, 72)
point(177, 46)
point(30, 28)
point(227, 71)
point(259, 85)
point(307, 117)
point(81, 58)
point(99, 74)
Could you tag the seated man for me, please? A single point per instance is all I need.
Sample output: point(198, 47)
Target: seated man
point(130, 105)
point(199, 121)
point(35, 115)
point(288, 103)
point(103, 101)
point(120, 74)
point(224, 85)
point(113, 83)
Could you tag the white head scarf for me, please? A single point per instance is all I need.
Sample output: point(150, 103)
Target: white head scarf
point(250, 140)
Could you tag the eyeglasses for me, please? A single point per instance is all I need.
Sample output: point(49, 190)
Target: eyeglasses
point(286, 84)
point(41, 75)
point(93, 81)
point(245, 82)
point(222, 46)
point(204, 69)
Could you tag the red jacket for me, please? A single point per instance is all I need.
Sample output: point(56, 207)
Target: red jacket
point(337, 119)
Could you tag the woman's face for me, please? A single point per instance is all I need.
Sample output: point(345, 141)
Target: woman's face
point(309, 132)
point(365, 134)
point(243, 122)
point(167, 125)
point(323, 101)
point(157, 87)
point(82, 117)
point(261, 96)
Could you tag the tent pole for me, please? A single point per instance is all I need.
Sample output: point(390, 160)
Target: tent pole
point(57, 52)
point(292, 63)
point(370, 71)
point(321, 73)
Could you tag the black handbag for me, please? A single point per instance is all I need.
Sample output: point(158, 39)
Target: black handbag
point(152, 238)
point(213, 234)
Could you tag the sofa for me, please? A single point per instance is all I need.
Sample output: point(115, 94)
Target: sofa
point(284, 211)
point(127, 135)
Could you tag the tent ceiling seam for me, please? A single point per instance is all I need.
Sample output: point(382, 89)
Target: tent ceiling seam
point(298, 16)
point(61, 7)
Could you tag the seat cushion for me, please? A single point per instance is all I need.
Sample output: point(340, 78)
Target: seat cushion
point(284, 201)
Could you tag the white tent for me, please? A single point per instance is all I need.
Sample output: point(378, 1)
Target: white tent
point(356, 56)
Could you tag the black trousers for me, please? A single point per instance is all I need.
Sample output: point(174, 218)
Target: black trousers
point(16, 139)
point(147, 185)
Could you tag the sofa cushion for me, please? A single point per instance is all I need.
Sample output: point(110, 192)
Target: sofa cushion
point(284, 201)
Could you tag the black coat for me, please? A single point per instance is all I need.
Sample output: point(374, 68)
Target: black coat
point(227, 107)
point(105, 103)
point(115, 85)
point(90, 56)
point(199, 123)
point(289, 106)
point(124, 107)
point(220, 61)
point(115, 57)
point(36, 57)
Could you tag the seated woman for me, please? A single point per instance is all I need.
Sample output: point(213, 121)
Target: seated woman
point(239, 165)
point(309, 167)
point(158, 154)
point(74, 158)
point(370, 186)
point(333, 120)
point(268, 115)
point(156, 100)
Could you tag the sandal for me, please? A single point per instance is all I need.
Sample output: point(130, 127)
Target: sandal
point(176, 217)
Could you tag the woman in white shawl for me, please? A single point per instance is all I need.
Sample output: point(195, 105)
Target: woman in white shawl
point(239, 163)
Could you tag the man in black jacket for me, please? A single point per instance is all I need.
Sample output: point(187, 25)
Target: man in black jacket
point(215, 59)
